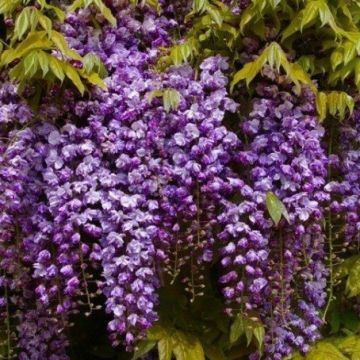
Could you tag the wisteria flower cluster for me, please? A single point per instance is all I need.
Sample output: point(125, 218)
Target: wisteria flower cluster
point(107, 198)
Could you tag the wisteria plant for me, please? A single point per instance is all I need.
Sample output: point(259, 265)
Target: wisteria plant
point(180, 179)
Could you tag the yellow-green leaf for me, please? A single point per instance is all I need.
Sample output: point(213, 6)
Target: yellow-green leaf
point(336, 58)
point(307, 62)
point(45, 22)
point(353, 283)
point(76, 5)
point(185, 348)
point(30, 64)
point(43, 59)
point(339, 102)
point(143, 348)
point(155, 5)
point(73, 75)
point(105, 12)
point(95, 79)
point(199, 5)
point(237, 329)
point(325, 351)
point(349, 51)
point(276, 208)
point(155, 93)
point(321, 105)
point(7, 7)
point(35, 40)
point(22, 23)
point(276, 58)
point(165, 348)
point(309, 13)
point(156, 332)
point(62, 45)
point(34, 19)
point(58, 12)
point(215, 14)
point(56, 67)
point(171, 98)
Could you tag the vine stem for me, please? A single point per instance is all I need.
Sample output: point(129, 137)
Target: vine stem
point(192, 280)
point(175, 269)
point(87, 293)
point(330, 239)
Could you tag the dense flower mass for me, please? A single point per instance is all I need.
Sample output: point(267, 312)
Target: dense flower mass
point(109, 197)
point(346, 191)
point(286, 157)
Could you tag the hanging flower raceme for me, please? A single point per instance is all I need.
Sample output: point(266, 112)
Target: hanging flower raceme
point(285, 157)
point(345, 188)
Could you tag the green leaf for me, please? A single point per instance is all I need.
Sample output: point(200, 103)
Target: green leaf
point(186, 349)
point(76, 5)
point(35, 40)
point(246, 17)
point(250, 327)
point(95, 79)
point(165, 348)
point(17, 73)
point(34, 19)
point(339, 102)
point(31, 64)
point(45, 22)
point(307, 62)
point(325, 351)
point(171, 98)
point(199, 5)
point(58, 12)
point(349, 345)
point(307, 16)
point(143, 348)
point(336, 58)
point(353, 283)
point(43, 59)
point(73, 75)
point(259, 333)
point(105, 12)
point(349, 52)
point(152, 94)
point(57, 68)
point(156, 332)
point(155, 5)
point(92, 63)
point(215, 14)
point(181, 53)
point(276, 58)
point(8, 7)
point(321, 105)
point(343, 269)
point(22, 23)
point(276, 208)
point(237, 329)
point(297, 74)
point(62, 45)
point(42, 3)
